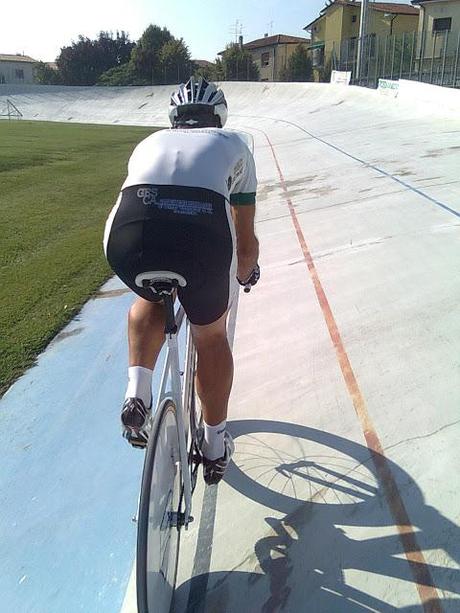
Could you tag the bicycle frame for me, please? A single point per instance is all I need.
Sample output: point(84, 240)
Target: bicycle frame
point(178, 394)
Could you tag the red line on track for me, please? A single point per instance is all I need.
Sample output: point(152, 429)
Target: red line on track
point(421, 573)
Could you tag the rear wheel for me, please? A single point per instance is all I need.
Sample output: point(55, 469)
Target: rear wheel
point(159, 515)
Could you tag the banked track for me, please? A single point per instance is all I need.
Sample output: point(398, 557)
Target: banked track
point(352, 332)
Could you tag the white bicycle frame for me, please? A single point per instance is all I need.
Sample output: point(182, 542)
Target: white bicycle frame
point(179, 394)
point(171, 371)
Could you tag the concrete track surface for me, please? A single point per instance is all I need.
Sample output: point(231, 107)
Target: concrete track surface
point(343, 495)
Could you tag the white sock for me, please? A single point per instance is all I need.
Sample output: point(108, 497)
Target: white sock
point(213, 442)
point(140, 384)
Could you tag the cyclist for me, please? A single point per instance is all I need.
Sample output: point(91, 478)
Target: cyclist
point(174, 213)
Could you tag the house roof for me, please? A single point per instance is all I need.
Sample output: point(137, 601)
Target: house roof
point(417, 2)
point(11, 57)
point(271, 41)
point(381, 7)
point(203, 63)
point(277, 39)
point(393, 7)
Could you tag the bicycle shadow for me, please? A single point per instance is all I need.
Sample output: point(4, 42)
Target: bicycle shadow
point(330, 515)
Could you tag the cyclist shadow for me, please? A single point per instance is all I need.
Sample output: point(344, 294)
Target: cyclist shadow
point(331, 512)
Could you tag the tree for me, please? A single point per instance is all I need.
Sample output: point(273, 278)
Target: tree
point(299, 66)
point(238, 65)
point(146, 55)
point(45, 75)
point(175, 61)
point(115, 51)
point(84, 61)
point(119, 75)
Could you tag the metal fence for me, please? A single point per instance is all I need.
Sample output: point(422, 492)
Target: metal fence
point(432, 57)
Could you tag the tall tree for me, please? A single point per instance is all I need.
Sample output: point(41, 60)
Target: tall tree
point(146, 55)
point(238, 65)
point(299, 66)
point(175, 61)
point(84, 61)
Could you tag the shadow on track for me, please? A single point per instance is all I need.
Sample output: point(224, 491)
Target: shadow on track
point(330, 514)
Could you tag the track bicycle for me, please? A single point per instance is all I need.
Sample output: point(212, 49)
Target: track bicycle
point(172, 457)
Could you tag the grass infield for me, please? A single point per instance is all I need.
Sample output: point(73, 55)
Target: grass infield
point(58, 184)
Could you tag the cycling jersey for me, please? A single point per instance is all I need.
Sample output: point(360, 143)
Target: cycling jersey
point(208, 158)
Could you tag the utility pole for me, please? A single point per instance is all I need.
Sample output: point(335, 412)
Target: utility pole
point(362, 36)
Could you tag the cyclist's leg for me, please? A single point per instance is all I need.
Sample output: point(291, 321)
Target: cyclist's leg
point(214, 369)
point(146, 323)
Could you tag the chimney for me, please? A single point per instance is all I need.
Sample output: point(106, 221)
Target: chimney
point(266, 35)
point(241, 41)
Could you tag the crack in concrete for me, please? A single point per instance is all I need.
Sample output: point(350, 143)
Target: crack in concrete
point(430, 434)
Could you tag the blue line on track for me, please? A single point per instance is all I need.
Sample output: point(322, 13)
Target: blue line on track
point(357, 159)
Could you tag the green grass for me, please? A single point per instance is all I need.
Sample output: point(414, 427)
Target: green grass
point(58, 184)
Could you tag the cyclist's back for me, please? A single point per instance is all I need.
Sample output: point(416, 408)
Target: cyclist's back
point(208, 158)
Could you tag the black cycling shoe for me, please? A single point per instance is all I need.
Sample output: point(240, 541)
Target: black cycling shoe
point(136, 422)
point(213, 470)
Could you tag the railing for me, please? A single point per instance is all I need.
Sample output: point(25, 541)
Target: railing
point(11, 111)
point(432, 57)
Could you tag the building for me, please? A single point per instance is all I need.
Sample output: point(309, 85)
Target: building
point(337, 26)
point(271, 53)
point(203, 63)
point(438, 28)
point(16, 68)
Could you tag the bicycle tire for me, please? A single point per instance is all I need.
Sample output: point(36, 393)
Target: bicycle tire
point(157, 536)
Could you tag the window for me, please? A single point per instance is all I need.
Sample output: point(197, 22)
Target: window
point(266, 58)
point(19, 73)
point(317, 57)
point(442, 24)
point(354, 18)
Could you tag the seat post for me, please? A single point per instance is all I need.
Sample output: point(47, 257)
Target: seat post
point(170, 326)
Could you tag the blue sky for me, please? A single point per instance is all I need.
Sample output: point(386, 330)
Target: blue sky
point(42, 27)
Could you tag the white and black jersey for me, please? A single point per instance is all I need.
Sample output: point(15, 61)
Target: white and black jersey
point(173, 213)
point(208, 158)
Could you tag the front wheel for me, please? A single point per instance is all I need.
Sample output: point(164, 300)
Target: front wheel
point(159, 515)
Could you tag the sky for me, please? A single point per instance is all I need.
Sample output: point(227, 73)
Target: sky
point(41, 27)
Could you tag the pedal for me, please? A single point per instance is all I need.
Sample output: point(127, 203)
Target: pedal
point(137, 443)
point(177, 520)
point(134, 441)
point(196, 458)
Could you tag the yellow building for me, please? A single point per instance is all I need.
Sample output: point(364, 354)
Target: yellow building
point(438, 27)
point(338, 25)
point(271, 54)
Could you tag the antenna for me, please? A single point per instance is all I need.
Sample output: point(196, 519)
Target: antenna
point(236, 30)
point(270, 27)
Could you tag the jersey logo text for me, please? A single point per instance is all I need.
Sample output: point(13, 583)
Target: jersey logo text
point(148, 195)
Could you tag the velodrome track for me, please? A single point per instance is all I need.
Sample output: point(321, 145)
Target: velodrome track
point(343, 496)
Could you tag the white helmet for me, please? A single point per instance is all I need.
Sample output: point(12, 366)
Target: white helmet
point(198, 104)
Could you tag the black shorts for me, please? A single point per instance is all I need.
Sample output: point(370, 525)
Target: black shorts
point(186, 230)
